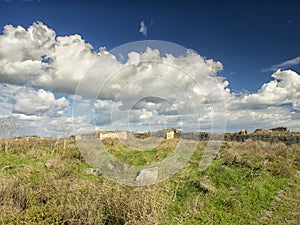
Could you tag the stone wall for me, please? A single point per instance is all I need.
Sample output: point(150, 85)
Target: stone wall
point(102, 135)
point(280, 134)
point(113, 135)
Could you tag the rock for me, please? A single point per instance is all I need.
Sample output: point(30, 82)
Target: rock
point(202, 186)
point(8, 167)
point(89, 171)
point(259, 131)
point(216, 156)
point(279, 129)
point(147, 176)
point(50, 163)
point(93, 171)
point(243, 132)
point(206, 188)
point(98, 172)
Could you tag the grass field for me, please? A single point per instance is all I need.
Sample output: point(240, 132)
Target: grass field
point(249, 183)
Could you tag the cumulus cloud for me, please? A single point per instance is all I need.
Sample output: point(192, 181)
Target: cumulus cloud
point(31, 102)
point(60, 63)
point(283, 89)
point(276, 103)
point(34, 110)
point(38, 57)
point(39, 103)
point(21, 52)
point(283, 65)
point(143, 115)
point(268, 117)
point(187, 84)
point(146, 89)
point(70, 59)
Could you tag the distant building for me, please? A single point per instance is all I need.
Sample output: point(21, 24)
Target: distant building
point(172, 133)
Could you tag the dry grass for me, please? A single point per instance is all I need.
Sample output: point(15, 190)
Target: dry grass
point(73, 201)
point(31, 193)
point(63, 194)
point(276, 157)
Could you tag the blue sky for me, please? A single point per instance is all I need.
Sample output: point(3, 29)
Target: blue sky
point(247, 41)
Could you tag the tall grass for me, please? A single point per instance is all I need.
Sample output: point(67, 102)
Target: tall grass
point(238, 188)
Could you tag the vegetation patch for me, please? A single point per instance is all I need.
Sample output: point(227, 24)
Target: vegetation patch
point(45, 181)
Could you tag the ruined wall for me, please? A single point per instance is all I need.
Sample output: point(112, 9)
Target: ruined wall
point(90, 136)
point(280, 134)
point(113, 135)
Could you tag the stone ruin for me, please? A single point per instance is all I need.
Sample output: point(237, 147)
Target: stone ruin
point(243, 132)
point(277, 134)
point(172, 133)
point(103, 135)
point(113, 135)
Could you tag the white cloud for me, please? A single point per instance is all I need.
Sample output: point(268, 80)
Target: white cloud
point(38, 57)
point(268, 117)
point(283, 65)
point(60, 63)
point(31, 102)
point(291, 62)
point(275, 104)
point(71, 57)
point(189, 85)
point(143, 29)
point(39, 103)
point(283, 89)
point(21, 52)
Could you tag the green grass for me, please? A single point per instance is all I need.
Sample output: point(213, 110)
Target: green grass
point(142, 157)
point(250, 183)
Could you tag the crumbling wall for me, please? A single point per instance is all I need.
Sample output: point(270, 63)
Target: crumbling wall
point(113, 135)
point(273, 135)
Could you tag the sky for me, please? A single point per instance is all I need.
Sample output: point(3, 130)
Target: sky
point(243, 56)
